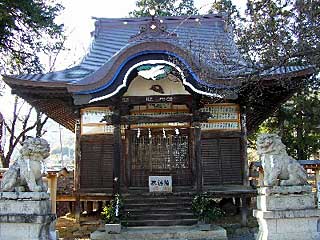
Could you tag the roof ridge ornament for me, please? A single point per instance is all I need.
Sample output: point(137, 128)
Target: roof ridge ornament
point(155, 28)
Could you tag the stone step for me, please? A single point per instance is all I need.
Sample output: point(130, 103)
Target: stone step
point(148, 205)
point(159, 209)
point(158, 200)
point(138, 211)
point(161, 222)
point(161, 216)
point(145, 194)
point(162, 233)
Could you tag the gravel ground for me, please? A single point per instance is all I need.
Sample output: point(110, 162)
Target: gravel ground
point(248, 236)
point(236, 232)
point(69, 230)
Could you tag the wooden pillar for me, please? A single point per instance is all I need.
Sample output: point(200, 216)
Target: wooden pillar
point(77, 208)
point(77, 170)
point(128, 160)
point(194, 163)
point(317, 172)
point(317, 179)
point(244, 211)
point(244, 154)
point(261, 177)
point(52, 184)
point(125, 159)
point(195, 106)
point(197, 138)
point(116, 151)
point(89, 207)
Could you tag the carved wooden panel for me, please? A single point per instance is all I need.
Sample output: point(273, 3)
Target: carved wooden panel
point(160, 154)
point(96, 162)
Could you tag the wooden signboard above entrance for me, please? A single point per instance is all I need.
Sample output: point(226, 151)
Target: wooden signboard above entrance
point(224, 116)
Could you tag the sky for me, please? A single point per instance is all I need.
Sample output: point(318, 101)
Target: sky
point(78, 21)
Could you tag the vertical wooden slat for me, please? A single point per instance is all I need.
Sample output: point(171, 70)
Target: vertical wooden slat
point(231, 161)
point(222, 163)
point(96, 162)
point(211, 162)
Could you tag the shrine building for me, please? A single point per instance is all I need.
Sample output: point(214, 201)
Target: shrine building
point(156, 97)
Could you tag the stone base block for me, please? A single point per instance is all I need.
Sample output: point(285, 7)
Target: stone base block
point(26, 207)
point(286, 202)
point(285, 190)
point(285, 225)
point(27, 231)
point(300, 214)
point(288, 236)
point(113, 228)
point(26, 216)
point(36, 196)
point(27, 227)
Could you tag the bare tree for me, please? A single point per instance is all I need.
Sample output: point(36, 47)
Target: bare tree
point(1, 137)
point(19, 126)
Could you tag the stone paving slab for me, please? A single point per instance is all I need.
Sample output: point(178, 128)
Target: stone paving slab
point(163, 233)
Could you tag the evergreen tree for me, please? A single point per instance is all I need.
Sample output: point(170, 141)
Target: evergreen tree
point(282, 33)
point(27, 28)
point(164, 8)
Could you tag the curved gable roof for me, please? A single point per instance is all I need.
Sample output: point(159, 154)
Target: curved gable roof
point(205, 39)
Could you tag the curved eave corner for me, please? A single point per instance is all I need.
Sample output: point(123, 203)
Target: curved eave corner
point(14, 81)
point(284, 72)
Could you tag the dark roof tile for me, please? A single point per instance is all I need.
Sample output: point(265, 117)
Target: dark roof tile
point(205, 37)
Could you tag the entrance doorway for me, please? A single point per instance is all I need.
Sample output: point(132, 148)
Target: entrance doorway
point(160, 152)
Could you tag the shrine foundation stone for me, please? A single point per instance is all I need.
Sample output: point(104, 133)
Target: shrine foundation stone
point(26, 215)
point(287, 213)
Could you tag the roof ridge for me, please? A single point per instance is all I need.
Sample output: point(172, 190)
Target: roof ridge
point(128, 20)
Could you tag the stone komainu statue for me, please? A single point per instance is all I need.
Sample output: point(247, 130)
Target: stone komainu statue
point(277, 164)
point(26, 173)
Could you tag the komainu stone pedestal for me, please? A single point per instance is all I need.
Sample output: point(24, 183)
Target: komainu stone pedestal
point(287, 213)
point(27, 216)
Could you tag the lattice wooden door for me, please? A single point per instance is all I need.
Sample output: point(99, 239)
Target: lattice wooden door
point(154, 153)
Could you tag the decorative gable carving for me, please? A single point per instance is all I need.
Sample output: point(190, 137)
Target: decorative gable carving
point(153, 29)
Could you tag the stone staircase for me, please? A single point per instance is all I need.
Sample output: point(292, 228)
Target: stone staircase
point(159, 209)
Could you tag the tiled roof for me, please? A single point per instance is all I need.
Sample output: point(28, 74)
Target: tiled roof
point(206, 37)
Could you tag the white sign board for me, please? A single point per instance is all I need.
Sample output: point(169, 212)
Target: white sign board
point(160, 183)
